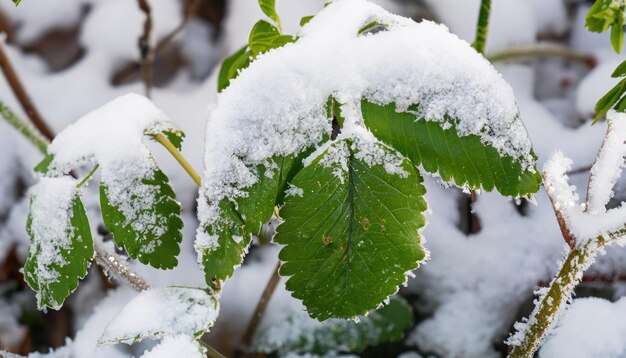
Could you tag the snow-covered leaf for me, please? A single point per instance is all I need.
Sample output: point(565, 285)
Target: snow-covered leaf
point(178, 346)
point(61, 245)
point(265, 36)
point(462, 159)
point(269, 9)
point(222, 245)
point(432, 75)
point(146, 222)
point(305, 335)
point(163, 312)
point(138, 204)
point(353, 234)
point(231, 67)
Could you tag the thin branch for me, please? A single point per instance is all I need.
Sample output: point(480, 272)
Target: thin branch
point(560, 218)
point(191, 10)
point(88, 176)
point(22, 96)
point(115, 265)
point(556, 298)
point(145, 50)
point(541, 50)
point(25, 128)
point(482, 27)
point(260, 309)
point(179, 158)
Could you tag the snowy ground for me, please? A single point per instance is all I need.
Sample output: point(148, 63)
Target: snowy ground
point(473, 288)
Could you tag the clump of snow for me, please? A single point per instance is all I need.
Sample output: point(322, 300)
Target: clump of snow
point(177, 346)
point(609, 163)
point(276, 106)
point(162, 312)
point(586, 225)
point(108, 135)
point(591, 327)
point(294, 191)
point(51, 230)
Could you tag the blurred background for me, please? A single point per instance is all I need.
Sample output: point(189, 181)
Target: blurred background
point(486, 258)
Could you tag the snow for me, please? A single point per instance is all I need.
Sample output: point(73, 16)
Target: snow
point(608, 166)
point(472, 284)
point(162, 312)
point(175, 346)
point(591, 327)
point(582, 224)
point(51, 203)
point(253, 123)
point(112, 136)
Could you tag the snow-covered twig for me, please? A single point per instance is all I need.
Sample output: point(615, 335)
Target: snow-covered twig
point(608, 165)
point(114, 265)
point(531, 332)
point(586, 228)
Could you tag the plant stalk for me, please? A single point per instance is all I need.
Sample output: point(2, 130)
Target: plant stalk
point(559, 293)
point(22, 96)
point(179, 158)
point(261, 307)
point(113, 263)
point(145, 50)
point(540, 50)
point(482, 28)
point(26, 129)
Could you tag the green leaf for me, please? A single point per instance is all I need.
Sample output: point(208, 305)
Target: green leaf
point(370, 27)
point(232, 234)
point(16, 2)
point(144, 218)
point(353, 235)
point(465, 160)
point(161, 312)
point(617, 33)
point(175, 137)
point(607, 101)
point(269, 9)
point(305, 20)
point(605, 14)
point(620, 71)
point(600, 16)
point(232, 66)
point(386, 324)
point(265, 36)
point(42, 167)
point(60, 244)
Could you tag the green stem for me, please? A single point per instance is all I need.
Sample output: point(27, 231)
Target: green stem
point(25, 128)
point(559, 293)
point(483, 26)
point(179, 157)
point(539, 50)
point(88, 176)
